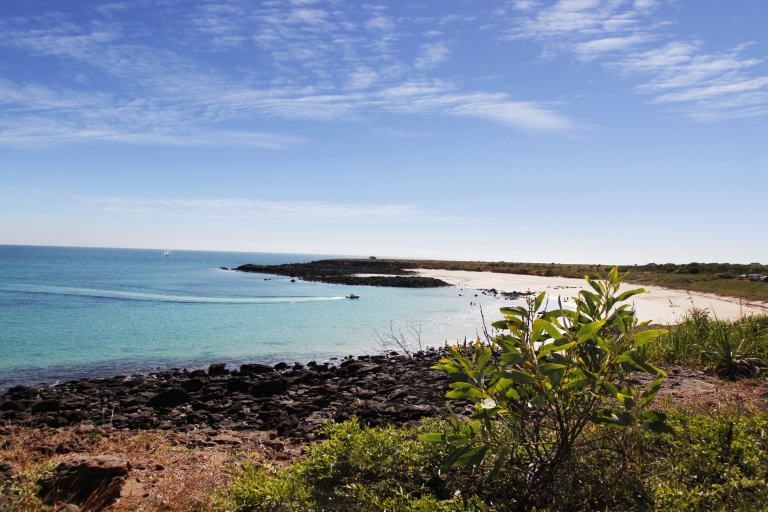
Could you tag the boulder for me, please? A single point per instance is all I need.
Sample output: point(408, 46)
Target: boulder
point(46, 406)
point(269, 387)
point(12, 406)
point(217, 369)
point(248, 369)
point(95, 479)
point(238, 385)
point(168, 399)
point(192, 385)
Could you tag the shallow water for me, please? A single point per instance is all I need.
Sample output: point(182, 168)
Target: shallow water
point(69, 312)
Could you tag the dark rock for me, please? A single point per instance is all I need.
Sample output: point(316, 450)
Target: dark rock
point(346, 272)
point(169, 398)
point(253, 369)
point(46, 406)
point(269, 387)
point(192, 385)
point(238, 385)
point(281, 366)
point(12, 406)
point(217, 369)
point(95, 479)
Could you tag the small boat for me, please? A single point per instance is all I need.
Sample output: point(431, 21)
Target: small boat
point(166, 253)
point(353, 296)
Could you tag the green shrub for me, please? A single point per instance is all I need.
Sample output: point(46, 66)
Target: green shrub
point(543, 380)
point(718, 460)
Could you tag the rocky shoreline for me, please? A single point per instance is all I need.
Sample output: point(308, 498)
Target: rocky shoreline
point(374, 273)
point(292, 400)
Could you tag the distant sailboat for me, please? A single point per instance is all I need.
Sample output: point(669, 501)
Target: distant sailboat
point(166, 253)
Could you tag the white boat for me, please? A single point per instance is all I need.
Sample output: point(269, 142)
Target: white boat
point(166, 253)
point(353, 296)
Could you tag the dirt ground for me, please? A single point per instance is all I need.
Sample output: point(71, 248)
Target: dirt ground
point(168, 471)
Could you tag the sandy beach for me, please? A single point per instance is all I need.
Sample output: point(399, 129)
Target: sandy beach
point(660, 305)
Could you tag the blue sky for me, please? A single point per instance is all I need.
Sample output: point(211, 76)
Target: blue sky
point(599, 131)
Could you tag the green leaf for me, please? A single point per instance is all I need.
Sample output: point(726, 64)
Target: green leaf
point(629, 293)
point(590, 329)
point(452, 458)
point(538, 328)
point(538, 301)
point(658, 427)
point(515, 376)
point(500, 325)
point(473, 457)
point(514, 358)
point(626, 401)
point(654, 416)
point(651, 391)
point(556, 346)
point(551, 329)
point(612, 418)
point(500, 459)
point(548, 368)
point(644, 337)
point(432, 438)
point(463, 394)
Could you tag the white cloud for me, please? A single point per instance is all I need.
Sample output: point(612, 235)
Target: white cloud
point(707, 86)
point(524, 5)
point(313, 64)
point(247, 210)
point(431, 54)
point(703, 86)
point(598, 47)
point(362, 78)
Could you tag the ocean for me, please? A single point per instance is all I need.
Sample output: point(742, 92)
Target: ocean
point(82, 312)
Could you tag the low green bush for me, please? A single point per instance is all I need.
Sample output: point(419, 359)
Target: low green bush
point(718, 460)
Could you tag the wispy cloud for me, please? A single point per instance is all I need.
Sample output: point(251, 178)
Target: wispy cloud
point(315, 61)
point(431, 54)
point(245, 210)
point(707, 86)
point(628, 38)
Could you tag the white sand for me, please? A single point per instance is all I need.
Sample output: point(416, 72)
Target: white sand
point(660, 305)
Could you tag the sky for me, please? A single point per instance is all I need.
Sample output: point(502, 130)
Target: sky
point(601, 131)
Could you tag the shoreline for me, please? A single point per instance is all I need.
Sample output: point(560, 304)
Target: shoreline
point(291, 400)
point(661, 305)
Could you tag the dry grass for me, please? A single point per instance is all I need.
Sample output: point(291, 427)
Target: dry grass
point(168, 471)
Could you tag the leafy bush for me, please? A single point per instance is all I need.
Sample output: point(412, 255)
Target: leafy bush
point(718, 460)
point(543, 380)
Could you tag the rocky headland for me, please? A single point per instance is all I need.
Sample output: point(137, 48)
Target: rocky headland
point(351, 272)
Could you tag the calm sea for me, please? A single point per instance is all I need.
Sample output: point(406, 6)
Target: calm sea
point(71, 312)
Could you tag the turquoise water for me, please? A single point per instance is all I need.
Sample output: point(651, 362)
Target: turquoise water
point(70, 312)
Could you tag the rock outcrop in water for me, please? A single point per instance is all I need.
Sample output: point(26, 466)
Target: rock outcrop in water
point(391, 389)
point(348, 272)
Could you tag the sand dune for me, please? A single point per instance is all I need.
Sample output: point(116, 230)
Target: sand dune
point(660, 305)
